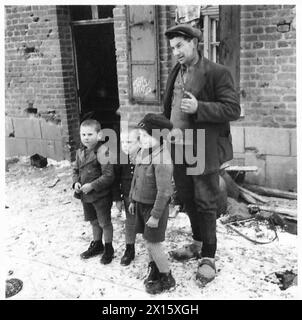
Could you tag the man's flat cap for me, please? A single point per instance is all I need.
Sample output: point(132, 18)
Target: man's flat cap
point(183, 30)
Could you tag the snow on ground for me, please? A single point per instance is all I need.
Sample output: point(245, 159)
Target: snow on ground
point(46, 233)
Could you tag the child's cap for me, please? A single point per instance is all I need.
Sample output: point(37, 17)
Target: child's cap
point(154, 121)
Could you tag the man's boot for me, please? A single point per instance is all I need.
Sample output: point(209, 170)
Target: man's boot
point(206, 271)
point(95, 248)
point(165, 282)
point(108, 253)
point(187, 252)
point(153, 273)
point(128, 255)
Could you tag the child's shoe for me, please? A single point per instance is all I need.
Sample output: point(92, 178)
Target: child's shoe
point(165, 282)
point(153, 273)
point(128, 255)
point(108, 253)
point(95, 248)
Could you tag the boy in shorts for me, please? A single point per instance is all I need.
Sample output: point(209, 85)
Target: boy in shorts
point(150, 193)
point(92, 182)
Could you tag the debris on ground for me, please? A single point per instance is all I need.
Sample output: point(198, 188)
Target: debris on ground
point(13, 286)
point(284, 279)
point(38, 161)
point(46, 234)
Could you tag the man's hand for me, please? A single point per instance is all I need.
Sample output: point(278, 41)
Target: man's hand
point(86, 188)
point(152, 222)
point(77, 187)
point(189, 105)
point(132, 208)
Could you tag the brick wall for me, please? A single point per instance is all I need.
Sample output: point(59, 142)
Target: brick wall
point(130, 112)
point(41, 110)
point(268, 65)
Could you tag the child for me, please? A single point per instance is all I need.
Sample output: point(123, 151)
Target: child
point(92, 181)
point(150, 193)
point(123, 178)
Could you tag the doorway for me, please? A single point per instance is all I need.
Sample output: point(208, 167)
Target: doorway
point(96, 73)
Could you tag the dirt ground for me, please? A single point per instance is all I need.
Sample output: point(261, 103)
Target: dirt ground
point(45, 233)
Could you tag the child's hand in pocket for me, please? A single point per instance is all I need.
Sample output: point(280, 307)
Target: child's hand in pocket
point(152, 222)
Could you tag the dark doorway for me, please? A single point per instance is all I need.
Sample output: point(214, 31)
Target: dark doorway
point(96, 72)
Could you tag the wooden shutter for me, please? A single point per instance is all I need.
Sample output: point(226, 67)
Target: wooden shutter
point(142, 27)
point(229, 48)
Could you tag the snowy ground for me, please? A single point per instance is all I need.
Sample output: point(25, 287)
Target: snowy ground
point(45, 233)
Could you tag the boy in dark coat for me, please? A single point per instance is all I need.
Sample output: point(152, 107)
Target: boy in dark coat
point(151, 190)
point(121, 190)
point(92, 182)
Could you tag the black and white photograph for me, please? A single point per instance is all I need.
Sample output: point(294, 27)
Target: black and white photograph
point(150, 152)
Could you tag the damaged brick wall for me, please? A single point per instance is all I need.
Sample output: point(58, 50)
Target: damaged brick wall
point(266, 136)
point(268, 65)
point(40, 104)
point(134, 112)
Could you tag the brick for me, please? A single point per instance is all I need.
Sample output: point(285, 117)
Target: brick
point(270, 141)
point(281, 172)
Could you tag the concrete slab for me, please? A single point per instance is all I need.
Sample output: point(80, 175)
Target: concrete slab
point(293, 142)
point(35, 146)
point(258, 177)
point(27, 128)
point(9, 128)
point(50, 131)
point(271, 141)
point(15, 147)
point(237, 138)
point(53, 149)
point(238, 159)
point(281, 172)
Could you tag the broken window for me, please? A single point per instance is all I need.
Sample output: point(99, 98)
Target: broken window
point(209, 28)
point(79, 13)
point(142, 28)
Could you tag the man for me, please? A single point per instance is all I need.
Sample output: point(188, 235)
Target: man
point(199, 94)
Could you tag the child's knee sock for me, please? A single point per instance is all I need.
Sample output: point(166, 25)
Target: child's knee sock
point(159, 256)
point(97, 231)
point(108, 233)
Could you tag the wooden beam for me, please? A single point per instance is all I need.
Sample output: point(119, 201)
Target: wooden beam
point(271, 192)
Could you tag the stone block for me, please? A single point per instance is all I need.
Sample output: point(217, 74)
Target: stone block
point(27, 128)
point(50, 130)
point(15, 147)
point(9, 128)
point(281, 172)
point(293, 143)
point(271, 141)
point(35, 146)
point(258, 177)
point(237, 139)
point(53, 149)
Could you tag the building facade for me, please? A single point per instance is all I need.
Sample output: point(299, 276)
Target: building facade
point(64, 63)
